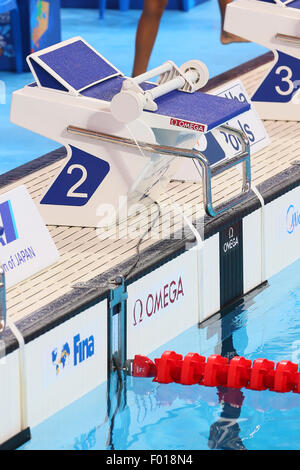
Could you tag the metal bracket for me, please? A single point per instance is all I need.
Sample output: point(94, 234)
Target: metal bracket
point(117, 326)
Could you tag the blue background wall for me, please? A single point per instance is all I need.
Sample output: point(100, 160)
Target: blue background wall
point(114, 4)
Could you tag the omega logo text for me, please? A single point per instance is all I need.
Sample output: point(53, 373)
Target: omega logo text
point(292, 219)
point(154, 302)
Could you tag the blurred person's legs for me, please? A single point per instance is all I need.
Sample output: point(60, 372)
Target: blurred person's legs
point(148, 27)
point(146, 33)
point(225, 37)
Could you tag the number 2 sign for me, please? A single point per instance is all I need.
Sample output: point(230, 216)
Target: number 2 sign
point(78, 180)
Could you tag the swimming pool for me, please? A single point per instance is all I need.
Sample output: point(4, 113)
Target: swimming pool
point(152, 416)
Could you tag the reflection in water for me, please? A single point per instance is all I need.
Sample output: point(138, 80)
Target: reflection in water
point(224, 433)
point(118, 413)
point(86, 441)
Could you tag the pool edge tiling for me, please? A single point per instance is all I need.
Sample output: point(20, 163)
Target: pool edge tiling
point(176, 284)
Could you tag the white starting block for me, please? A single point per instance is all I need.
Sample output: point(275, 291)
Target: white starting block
point(274, 24)
point(122, 135)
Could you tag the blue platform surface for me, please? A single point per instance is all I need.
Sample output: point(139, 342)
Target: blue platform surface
point(294, 4)
point(182, 36)
point(200, 108)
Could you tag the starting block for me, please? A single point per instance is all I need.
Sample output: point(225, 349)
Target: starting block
point(274, 24)
point(123, 135)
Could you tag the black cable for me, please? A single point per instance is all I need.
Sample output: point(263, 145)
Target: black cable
point(142, 238)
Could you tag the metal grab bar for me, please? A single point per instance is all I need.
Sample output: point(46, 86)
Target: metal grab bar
point(208, 172)
point(288, 38)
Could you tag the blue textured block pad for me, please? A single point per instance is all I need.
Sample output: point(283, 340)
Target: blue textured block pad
point(197, 107)
point(105, 90)
point(78, 64)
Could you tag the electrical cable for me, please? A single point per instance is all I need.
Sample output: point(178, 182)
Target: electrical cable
point(156, 218)
point(142, 238)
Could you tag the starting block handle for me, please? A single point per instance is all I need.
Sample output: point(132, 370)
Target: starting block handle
point(287, 38)
point(144, 77)
point(243, 157)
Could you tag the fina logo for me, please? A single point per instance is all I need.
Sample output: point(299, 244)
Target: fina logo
point(8, 229)
point(61, 360)
point(292, 219)
point(81, 351)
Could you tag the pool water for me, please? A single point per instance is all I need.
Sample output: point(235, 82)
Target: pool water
point(145, 415)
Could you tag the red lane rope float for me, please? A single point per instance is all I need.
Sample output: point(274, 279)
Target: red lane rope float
point(219, 371)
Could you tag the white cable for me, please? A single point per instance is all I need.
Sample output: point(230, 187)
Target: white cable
point(199, 253)
point(263, 254)
point(22, 375)
point(262, 202)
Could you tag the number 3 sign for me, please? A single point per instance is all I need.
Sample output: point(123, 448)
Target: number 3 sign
point(281, 82)
point(279, 94)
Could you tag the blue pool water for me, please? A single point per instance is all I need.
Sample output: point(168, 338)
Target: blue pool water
point(182, 36)
point(153, 416)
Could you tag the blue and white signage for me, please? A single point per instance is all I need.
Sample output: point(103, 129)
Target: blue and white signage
point(26, 246)
point(292, 218)
point(282, 220)
point(78, 181)
point(249, 122)
point(282, 82)
point(72, 352)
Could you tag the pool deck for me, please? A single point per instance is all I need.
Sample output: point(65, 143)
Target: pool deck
point(84, 256)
